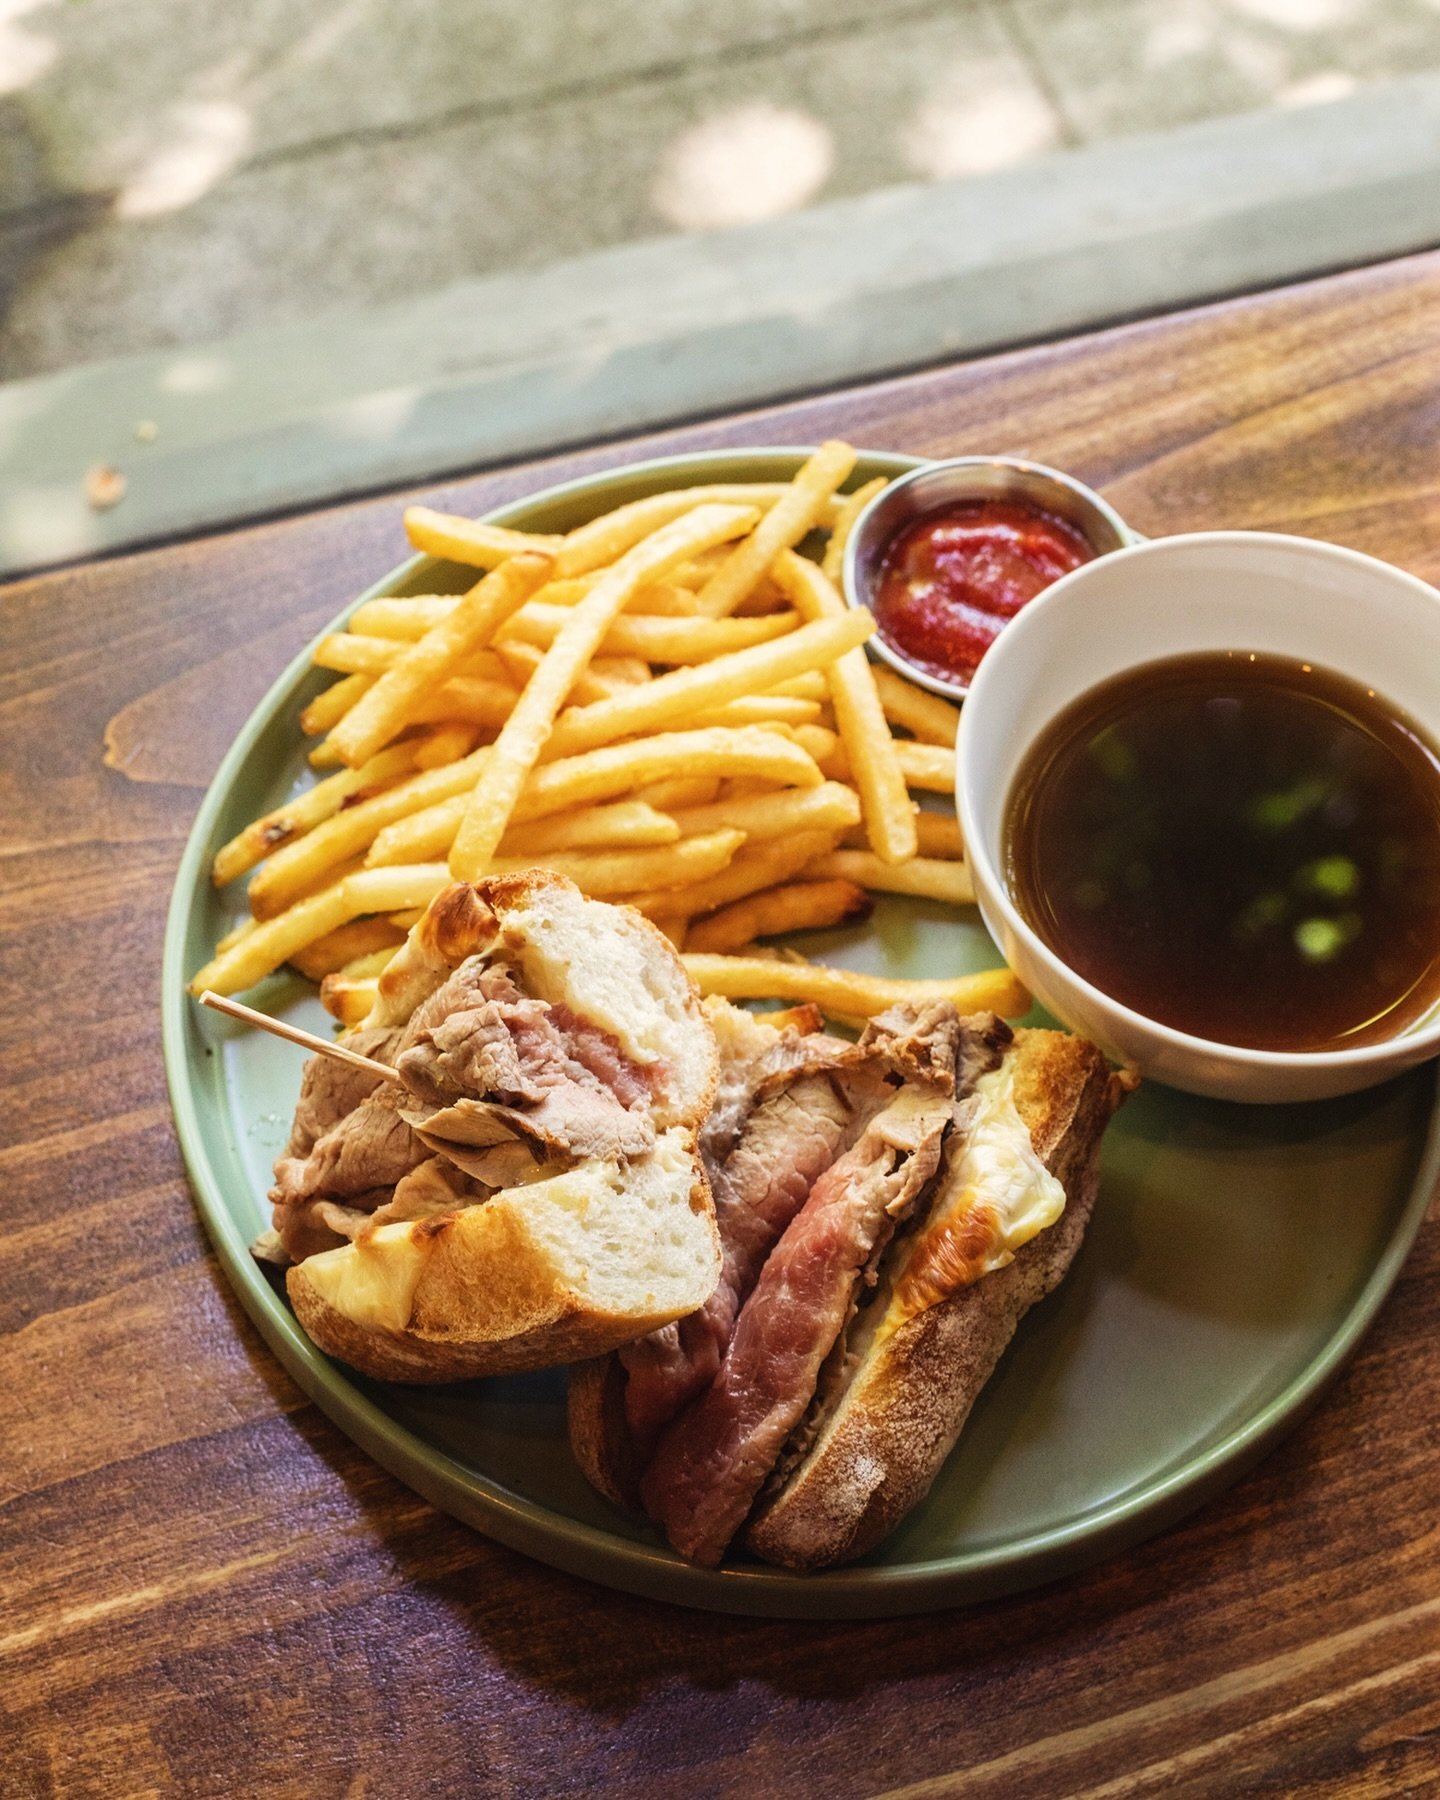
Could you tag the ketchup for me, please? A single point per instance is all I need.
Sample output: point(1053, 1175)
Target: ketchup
point(951, 580)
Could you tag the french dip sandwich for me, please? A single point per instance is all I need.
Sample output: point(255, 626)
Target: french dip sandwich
point(529, 1190)
point(888, 1211)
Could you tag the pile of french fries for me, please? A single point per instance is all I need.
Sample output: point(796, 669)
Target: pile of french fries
point(668, 704)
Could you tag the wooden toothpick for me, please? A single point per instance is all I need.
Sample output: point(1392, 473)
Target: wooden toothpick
point(306, 1039)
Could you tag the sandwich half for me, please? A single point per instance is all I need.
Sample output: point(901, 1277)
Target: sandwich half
point(529, 1190)
point(888, 1212)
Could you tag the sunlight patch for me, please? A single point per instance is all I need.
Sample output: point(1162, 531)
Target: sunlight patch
point(740, 166)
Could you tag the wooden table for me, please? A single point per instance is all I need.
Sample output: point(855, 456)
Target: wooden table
point(204, 1588)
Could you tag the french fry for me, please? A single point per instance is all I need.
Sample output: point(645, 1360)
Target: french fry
point(467, 699)
point(260, 952)
point(888, 808)
point(415, 834)
point(602, 540)
point(272, 830)
point(939, 835)
point(348, 1000)
point(456, 539)
point(605, 676)
point(684, 692)
point(523, 736)
point(926, 877)
point(330, 954)
point(925, 716)
point(755, 867)
point(630, 822)
point(385, 710)
point(927, 766)
point(605, 872)
point(347, 652)
point(800, 906)
point(776, 813)
point(791, 517)
point(818, 741)
point(762, 709)
point(841, 991)
point(446, 743)
point(677, 640)
point(297, 867)
point(686, 790)
point(404, 618)
point(326, 710)
point(851, 507)
point(375, 962)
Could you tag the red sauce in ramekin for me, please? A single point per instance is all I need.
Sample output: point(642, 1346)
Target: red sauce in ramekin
point(954, 578)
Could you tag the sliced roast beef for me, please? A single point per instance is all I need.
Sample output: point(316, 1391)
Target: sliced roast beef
point(787, 1144)
point(498, 1071)
point(329, 1089)
point(809, 1096)
point(713, 1460)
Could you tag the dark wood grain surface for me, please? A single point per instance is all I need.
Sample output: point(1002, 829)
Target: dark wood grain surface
point(204, 1588)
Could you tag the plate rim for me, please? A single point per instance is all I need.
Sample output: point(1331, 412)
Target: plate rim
point(590, 1551)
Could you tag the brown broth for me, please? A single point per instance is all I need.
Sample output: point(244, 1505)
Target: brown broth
point(1243, 847)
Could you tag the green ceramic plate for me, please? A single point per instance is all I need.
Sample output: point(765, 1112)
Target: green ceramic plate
point(1236, 1257)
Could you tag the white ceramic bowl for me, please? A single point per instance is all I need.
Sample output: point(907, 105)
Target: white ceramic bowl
point(1228, 590)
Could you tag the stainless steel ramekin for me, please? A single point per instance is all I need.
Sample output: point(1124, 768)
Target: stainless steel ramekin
point(962, 478)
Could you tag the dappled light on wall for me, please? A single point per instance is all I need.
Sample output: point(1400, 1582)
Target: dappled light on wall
point(975, 121)
point(205, 140)
point(25, 54)
point(740, 166)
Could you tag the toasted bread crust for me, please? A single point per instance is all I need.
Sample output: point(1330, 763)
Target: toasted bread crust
point(492, 1301)
point(909, 1400)
point(599, 1435)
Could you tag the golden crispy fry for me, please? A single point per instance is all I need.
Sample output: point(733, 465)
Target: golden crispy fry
point(467, 699)
point(599, 775)
point(818, 741)
point(292, 820)
point(791, 517)
point(674, 928)
point(327, 709)
point(801, 906)
point(925, 716)
point(755, 867)
point(455, 539)
point(851, 507)
point(940, 835)
point(406, 619)
point(927, 766)
point(677, 640)
point(602, 540)
point(629, 822)
point(840, 991)
point(242, 928)
point(889, 810)
point(385, 711)
point(260, 952)
point(924, 876)
point(810, 686)
point(605, 676)
point(604, 872)
point(331, 953)
point(523, 736)
point(297, 867)
point(349, 652)
point(678, 696)
point(348, 1000)
point(762, 709)
point(687, 790)
point(374, 962)
point(777, 813)
point(446, 743)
